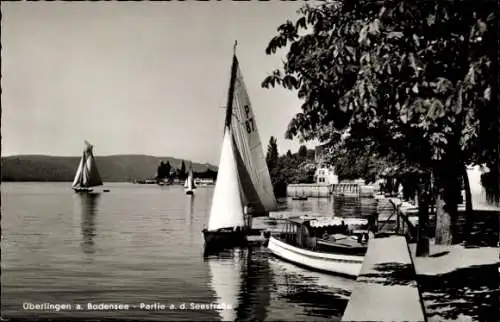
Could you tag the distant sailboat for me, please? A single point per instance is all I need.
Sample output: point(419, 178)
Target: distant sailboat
point(189, 185)
point(243, 180)
point(87, 176)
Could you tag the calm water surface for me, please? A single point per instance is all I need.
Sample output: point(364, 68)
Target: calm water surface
point(143, 244)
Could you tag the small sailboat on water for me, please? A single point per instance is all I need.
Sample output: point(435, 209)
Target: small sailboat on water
point(87, 176)
point(189, 185)
point(243, 188)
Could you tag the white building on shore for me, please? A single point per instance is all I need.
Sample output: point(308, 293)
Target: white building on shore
point(326, 175)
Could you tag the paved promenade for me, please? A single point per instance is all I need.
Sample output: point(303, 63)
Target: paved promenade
point(386, 289)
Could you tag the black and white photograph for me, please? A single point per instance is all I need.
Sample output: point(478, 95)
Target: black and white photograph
point(226, 160)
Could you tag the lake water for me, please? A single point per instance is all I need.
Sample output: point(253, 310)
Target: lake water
point(143, 244)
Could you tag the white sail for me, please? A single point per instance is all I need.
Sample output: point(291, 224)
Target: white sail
point(226, 209)
point(87, 174)
point(189, 183)
point(226, 282)
point(254, 175)
point(190, 179)
point(79, 171)
point(94, 178)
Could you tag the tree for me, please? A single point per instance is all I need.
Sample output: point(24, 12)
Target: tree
point(160, 172)
point(305, 173)
point(414, 78)
point(302, 152)
point(290, 169)
point(182, 172)
point(311, 154)
point(168, 168)
point(353, 161)
point(279, 178)
point(272, 153)
point(163, 171)
point(489, 182)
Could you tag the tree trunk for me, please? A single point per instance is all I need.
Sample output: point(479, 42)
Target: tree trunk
point(423, 216)
point(448, 190)
point(498, 142)
point(443, 223)
point(468, 206)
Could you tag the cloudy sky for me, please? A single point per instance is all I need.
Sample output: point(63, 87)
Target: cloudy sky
point(136, 77)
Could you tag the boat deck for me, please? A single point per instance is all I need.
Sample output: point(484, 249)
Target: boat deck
point(386, 289)
point(344, 244)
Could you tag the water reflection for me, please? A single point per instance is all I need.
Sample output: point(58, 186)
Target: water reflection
point(343, 206)
point(315, 205)
point(242, 284)
point(348, 206)
point(189, 214)
point(88, 208)
point(319, 294)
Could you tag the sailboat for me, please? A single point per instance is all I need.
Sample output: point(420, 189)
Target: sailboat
point(189, 185)
point(243, 188)
point(87, 176)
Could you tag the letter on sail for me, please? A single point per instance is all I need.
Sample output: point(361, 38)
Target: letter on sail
point(254, 175)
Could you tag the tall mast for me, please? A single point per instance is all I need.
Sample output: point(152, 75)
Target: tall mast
point(229, 107)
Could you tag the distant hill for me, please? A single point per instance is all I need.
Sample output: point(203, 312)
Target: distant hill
point(111, 168)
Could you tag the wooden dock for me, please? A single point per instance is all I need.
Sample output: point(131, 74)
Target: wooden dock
point(386, 289)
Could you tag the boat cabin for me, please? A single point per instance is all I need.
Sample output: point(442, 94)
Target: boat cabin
point(312, 233)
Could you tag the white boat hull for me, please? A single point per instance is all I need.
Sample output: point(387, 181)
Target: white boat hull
point(331, 263)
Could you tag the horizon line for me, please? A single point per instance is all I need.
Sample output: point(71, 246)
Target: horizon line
point(108, 155)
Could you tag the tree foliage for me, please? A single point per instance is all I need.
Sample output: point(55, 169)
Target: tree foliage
point(166, 171)
point(302, 151)
point(163, 171)
point(290, 168)
point(489, 182)
point(412, 80)
point(272, 153)
point(182, 172)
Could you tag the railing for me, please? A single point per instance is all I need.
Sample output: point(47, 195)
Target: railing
point(346, 188)
point(403, 224)
point(314, 190)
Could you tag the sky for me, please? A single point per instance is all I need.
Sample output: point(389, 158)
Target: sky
point(137, 77)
